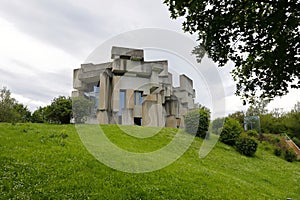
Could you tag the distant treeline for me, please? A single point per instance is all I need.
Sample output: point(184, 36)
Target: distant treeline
point(59, 111)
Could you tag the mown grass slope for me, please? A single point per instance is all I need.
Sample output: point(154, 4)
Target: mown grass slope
point(39, 161)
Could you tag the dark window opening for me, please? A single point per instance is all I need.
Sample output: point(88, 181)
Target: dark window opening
point(138, 121)
point(125, 57)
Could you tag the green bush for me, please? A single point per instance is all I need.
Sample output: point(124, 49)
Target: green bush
point(252, 133)
point(197, 122)
point(231, 131)
point(246, 146)
point(290, 155)
point(217, 125)
point(277, 151)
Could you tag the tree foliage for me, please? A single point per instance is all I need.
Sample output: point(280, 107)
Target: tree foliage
point(197, 122)
point(246, 146)
point(290, 155)
point(272, 124)
point(260, 37)
point(81, 108)
point(60, 110)
point(292, 121)
point(239, 116)
point(39, 115)
point(23, 113)
point(11, 110)
point(258, 107)
point(7, 113)
point(217, 125)
point(231, 131)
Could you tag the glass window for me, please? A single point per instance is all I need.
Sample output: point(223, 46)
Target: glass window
point(138, 98)
point(122, 101)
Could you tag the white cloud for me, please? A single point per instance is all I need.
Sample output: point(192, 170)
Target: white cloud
point(287, 102)
point(31, 104)
point(33, 71)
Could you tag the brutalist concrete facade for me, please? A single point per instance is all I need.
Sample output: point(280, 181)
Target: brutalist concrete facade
point(131, 91)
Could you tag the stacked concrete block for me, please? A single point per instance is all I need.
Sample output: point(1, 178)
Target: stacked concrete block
point(162, 104)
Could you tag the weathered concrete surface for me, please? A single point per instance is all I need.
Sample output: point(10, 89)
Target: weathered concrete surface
point(162, 104)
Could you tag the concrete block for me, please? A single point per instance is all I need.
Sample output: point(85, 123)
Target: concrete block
point(137, 111)
point(103, 117)
point(103, 92)
point(116, 93)
point(129, 98)
point(127, 117)
point(171, 121)
point(150, 97)
point(117, 52)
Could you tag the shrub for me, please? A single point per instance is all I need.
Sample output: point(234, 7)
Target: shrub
point(296, 141)
point(252, 133)
point(290, 155)
point(277, 151)
point(275, 140)
point(197, 122)
point(231, 131)
point(217, 125)
point(246, 146)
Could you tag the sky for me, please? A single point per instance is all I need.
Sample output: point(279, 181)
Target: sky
point(42, 41)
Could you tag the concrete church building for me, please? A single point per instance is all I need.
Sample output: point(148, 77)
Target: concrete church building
point(131, 91)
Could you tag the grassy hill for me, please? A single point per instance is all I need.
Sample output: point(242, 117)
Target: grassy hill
point(39, 161)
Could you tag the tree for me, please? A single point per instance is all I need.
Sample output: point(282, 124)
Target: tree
point(258, 107)
point(11, 110)
point(271, 124)
point(239, 116)
point(292, 121)
point(7, 103)
point(81, 108)
point(217, 125)
point(24, 115)
point(60, 110)
point(197, 121)
point(260, 37)
point(231, 131)
point(246, 146)
point(39, 115)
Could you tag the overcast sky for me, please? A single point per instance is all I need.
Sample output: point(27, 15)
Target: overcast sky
point(42, 41)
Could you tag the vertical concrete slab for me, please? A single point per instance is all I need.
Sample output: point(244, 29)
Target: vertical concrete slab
point(103, 92)
point(152, 111)
point(171, 121)
point(160, 112)
point(114, 118)
point(116, 93)
point(102, 117)
point(129, 98)
point(180, 122)
point(127, 117)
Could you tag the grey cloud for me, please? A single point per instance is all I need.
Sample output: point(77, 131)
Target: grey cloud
point(74, 28)
point(38, 87)
point(60, 23)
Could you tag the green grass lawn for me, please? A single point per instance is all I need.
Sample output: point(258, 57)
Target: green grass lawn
point(39, 161)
